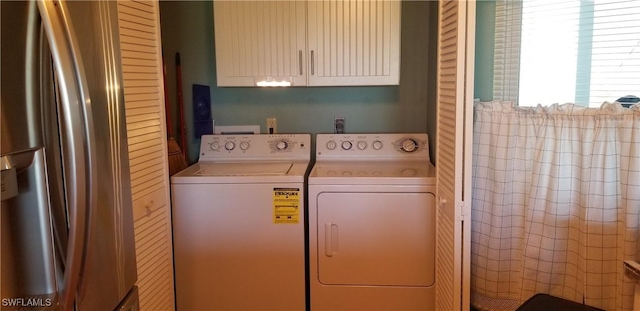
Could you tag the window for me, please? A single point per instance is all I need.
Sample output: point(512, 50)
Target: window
point(579, 51)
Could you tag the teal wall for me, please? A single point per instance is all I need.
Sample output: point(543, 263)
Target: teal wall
point(187, 28)
point(483, 79)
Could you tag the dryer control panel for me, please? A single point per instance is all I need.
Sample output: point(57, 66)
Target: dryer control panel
point(372, 146)
point(269, 146)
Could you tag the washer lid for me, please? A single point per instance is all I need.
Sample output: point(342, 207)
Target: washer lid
point(243, 169)
point(245, 172)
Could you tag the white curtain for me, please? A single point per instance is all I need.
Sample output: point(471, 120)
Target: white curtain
point(556, 204)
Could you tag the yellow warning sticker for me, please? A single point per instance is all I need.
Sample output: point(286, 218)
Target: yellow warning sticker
point(286, 205)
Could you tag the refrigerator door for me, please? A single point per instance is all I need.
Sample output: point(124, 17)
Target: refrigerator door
point(27, 251)
point(74, 124)
point(91, 32)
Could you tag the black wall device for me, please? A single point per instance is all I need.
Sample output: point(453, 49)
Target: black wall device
point(202, 119)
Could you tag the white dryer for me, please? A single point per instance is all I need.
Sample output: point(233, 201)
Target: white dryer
point(372, 223)
point(238, 224)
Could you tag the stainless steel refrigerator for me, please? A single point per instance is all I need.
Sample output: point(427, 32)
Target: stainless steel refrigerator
point(66, 214)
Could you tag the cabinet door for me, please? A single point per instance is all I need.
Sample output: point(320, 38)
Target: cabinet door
point(354, 42)
point(260, 40)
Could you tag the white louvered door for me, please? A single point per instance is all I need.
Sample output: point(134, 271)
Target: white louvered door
point(260, 40)
point(453, 149)
point(354, 42)
point(145, 116)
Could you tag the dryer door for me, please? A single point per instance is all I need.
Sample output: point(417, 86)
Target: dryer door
point(379, 239)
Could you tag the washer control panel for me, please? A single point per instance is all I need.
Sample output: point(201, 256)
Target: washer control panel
point(253, 146)
point(410, 145)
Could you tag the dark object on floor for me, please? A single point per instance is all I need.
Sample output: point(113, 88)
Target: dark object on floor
point(549, 303)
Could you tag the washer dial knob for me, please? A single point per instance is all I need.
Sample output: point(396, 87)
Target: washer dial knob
point(362, 145)
point(346, 145)
point(282, 145)
point(409, 172)
point(244, 145)
point(214, 146)
point(331, 145)
point(377, 145)
point(409, 145)
point(229, 145)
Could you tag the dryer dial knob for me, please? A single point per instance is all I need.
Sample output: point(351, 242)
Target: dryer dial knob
point(282, 145)
point(229, 145)
point(244, 145)
point(331, 145)
point(409, 145)
point(214, 146)
point(346, 145)
point(377, 145)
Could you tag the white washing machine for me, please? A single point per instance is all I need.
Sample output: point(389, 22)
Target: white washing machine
point(372, 223)
point(238, 224)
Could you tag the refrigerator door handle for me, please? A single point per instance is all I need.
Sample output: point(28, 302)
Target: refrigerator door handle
point(77, 137)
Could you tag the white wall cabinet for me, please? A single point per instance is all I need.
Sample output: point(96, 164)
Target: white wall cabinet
point(310, 43)
point(147, 140)
point(260, 40)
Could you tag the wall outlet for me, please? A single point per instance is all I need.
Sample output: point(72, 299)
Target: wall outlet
point(338, 125)
point(272, 126)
